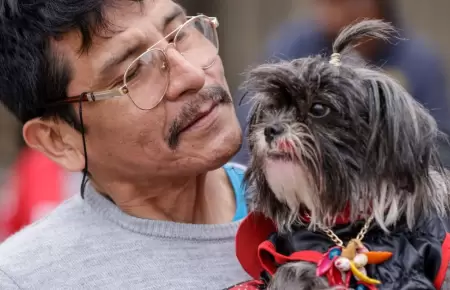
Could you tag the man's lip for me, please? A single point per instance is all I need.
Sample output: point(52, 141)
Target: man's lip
point(200, 115)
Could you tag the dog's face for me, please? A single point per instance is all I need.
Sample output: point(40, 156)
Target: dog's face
point(324, 137)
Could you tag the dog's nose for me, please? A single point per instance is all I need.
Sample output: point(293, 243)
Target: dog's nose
point(273, 131)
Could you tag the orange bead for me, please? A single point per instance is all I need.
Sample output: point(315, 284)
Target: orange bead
point(377, 257)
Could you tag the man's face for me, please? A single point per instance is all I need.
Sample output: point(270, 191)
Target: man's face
point(124, 141)
point(333, 15)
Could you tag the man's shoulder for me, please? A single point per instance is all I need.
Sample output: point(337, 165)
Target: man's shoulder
point(45, 236)
point(48, 250)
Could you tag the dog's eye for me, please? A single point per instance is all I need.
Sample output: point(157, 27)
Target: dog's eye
point(319, 110)
point(271, 107)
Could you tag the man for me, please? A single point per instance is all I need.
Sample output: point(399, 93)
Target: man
point(134, 95)
point(406, 60)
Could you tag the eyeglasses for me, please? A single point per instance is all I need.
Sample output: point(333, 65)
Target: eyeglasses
point(146, 80)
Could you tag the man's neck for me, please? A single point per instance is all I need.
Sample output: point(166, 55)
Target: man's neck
point(203, 199)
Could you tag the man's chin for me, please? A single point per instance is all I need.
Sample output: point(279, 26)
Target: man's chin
point(224, 145)
point(206, 161)
point(216, 148)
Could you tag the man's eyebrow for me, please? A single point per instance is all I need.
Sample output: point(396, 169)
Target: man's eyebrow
point(174, 14)
point(120, 57)
point(133, 48)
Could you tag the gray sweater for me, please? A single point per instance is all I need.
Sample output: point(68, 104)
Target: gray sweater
point(91, 244)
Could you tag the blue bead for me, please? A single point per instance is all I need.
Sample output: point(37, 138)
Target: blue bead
point(334, 253)
point(361, 287)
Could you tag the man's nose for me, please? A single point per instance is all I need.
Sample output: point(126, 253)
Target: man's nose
point(184, 76)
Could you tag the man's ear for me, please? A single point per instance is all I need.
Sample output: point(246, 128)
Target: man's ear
point(57, 140)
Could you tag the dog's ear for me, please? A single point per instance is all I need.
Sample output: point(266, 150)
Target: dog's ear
point(403, 139)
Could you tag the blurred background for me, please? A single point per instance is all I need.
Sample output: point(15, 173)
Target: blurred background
point(251, 32)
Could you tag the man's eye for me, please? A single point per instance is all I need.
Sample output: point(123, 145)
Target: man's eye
point(181, 35)
point(170, 39)
point(117, 83)
point(133, 72)
point(131, 75)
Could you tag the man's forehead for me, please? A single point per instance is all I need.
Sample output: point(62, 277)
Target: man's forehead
point(124, 20)
point(128, 23)
point(121, 18)
point(141, 28)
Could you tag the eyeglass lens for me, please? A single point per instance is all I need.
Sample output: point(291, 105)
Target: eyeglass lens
point(196, 41)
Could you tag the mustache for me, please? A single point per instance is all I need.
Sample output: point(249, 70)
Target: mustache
point(191, 110)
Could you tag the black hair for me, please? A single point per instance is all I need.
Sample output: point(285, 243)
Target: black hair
point(32, 72)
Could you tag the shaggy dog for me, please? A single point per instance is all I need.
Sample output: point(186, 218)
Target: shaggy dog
point(344, 163)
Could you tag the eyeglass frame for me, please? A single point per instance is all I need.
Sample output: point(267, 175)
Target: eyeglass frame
point(124, 90)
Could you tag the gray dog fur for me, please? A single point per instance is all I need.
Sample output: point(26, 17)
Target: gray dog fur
point(357, 136)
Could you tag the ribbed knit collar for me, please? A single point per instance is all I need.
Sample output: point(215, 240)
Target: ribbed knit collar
point(166, 229)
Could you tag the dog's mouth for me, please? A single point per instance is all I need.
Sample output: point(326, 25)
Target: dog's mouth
point(280, 156)
point(282, 150)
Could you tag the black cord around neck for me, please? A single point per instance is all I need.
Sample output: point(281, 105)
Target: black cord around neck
point(85, 170)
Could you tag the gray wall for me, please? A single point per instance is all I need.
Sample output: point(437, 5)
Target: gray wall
point(244, 26)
